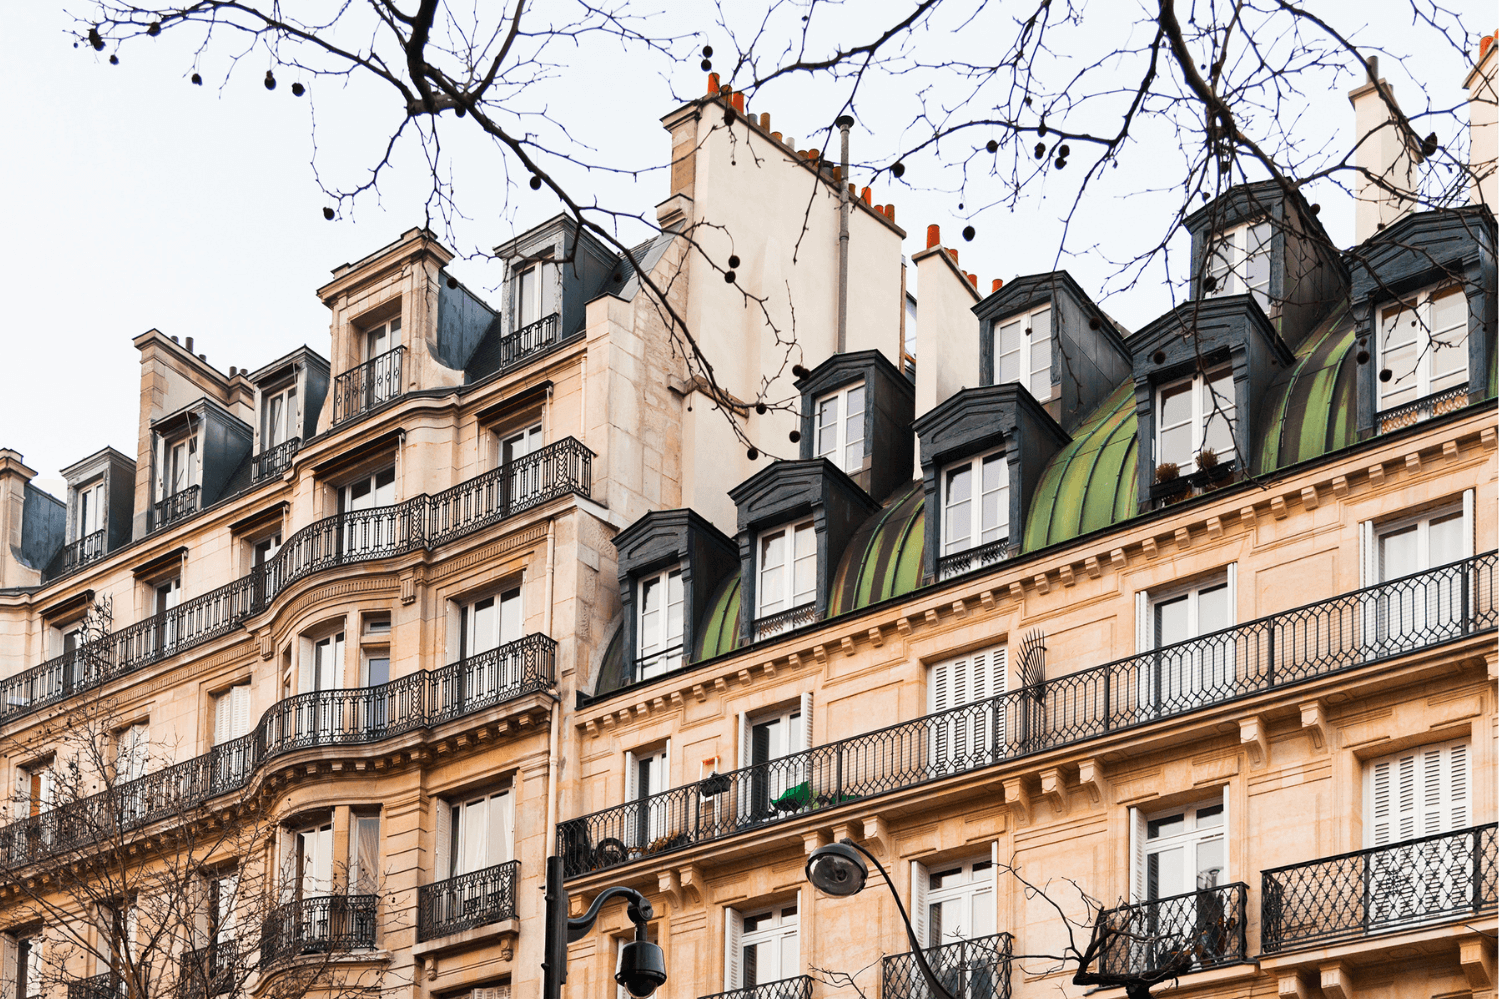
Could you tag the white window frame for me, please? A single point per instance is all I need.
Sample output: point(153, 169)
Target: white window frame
point(305, 876)
point(1189, 674)
point(494, 820)
point(659, 630)
point(488, 620)
point(1426, 338)
point(1249, 246)
point(833, 435)
point(1201, 385)
point(1195, 833)
point(382, 338)
point(782, 936)
point(231, 713)
point(21, 957)
point(976, 890)
point(760, 787)
point(1019, 337)
point(652, 821)
point(527, 295)
point(379, 490)
point(790, 535)
point(278, 416)
point(977, 535)
point(91, 509)
point(1393, 620)
point(180, 465)
point(963, 740)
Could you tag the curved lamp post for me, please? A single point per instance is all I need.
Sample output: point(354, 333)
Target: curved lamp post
point(642, 966)
point(838, 870)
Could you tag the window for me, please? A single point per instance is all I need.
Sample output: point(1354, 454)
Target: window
point(761, 947)
point(382, 338)
point(36, 788)
point(131, 749)
point(364, 854)
point(523, 478)
point(1024, 345)
point(489, 622)
point(770, 788)
point(181, 466)
point(376, 624)
point(1409, 795)
point(1424, 346)
point(265, 549)
point(660, 624)
point(1402, 612)
point(168, 594)
point(1240, 264)
point(374, 670)
point(788, 571)
point(307, 864)
point(475, 832)
point(223, 891)
point(323, 669)
point(1184, 673)
point(368, 491)
point(840, 428)
point(1193, 415)
point(278, 422)
point(90, 509)
point(231, 713)
point(369, 532)
point(975, 504)
point(963, 740)
point(651, 934)
point(528, 296)
point(22, 957)
point(953, 901)
point(1179, 850)
point(646, 773)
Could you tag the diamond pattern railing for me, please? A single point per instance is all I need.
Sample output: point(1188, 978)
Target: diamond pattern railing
point(1182, 933)
point(967, 969)
point(799, 987)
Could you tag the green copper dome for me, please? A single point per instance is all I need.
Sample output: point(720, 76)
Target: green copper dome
point(883, 558)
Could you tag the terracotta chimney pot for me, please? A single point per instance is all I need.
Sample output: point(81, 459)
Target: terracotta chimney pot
point(712, 84)
point(890, 212)
point(952, 253)
point(739, 102)
point(765, 121)
point(864, 196)
point(973, 279)
point(998, 284)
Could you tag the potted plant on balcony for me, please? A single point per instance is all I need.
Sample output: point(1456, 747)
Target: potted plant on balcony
point(1169, 486)
point(1211, 472)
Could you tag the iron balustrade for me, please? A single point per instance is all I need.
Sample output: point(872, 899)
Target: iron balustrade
point(208, 971)
point(1405, 885)
point(324, 924)
point(466, 901)
point(799, 987)
point(528, 340)
point(358, 716)
point(775, 624)
point(968, 969)
point(981, 557)
point(178, 506)
point(274, 460)
point(106, 985)
point(1194, 931)
point(1351, 630)
point(655, 663)
point(559, 469)
point(368, 386)
point(77, 554)
point(1425, 408)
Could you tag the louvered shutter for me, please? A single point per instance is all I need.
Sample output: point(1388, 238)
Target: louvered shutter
point(806, 733)
point(444, 841)
point(733, 948)
point(9, 967)
point(1229, 839)
point(921, 880)
point(939, 687)
point(1144, 633)
point(202, 901)
point(632, 777)
point(796, 935)
point(1468, 501)
point(745, 807)
point(223, 723)
point(306, 667)
point(1459, 796)
point(1137, 832)
point(1421, 792)
point(240, 710)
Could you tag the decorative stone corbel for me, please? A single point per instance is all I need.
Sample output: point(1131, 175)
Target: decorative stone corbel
point(1337, 980)
point(690, 883)
point(429, 966)
point(1476, 955)
point(1278, 508)
point(876, 637)
point(1017, 590)
point(1293, 984)
point(1150, 548)
point(1092, 778)
point(1309, 498)
point(669, 884)
point(1450, 450)
point(877, 834)
point(1054, 789)
point(1252, 738)
point(1019, 799)
point(408, 588)
point(812, 839)
point(1183, 538)
point(1314, 722)
point(1092, 566)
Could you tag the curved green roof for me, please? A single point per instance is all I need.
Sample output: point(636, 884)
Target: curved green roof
point(883, 558)
point(1311, 409)
point(719, 632)
point(1092, 482)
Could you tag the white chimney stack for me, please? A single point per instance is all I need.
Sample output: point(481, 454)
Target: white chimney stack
point(1483, 133)
point(1384, 157)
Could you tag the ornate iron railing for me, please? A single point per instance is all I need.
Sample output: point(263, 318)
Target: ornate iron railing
point(655, 663)
point(320, 718)
point(967, 969)
point(528, 340)
point(1182, 933)
point(1355, 629)
point(1386, 889)
point(274, 460)
point(799, 987)
point(1425, 408)
point(775, 624)
point(368, 386)
point(981, 557)
point(208, 971)
point(178, 506)
point(466, 901)
point(327, 924)
point(77, 554)
point(559, 469)
point(107, 985)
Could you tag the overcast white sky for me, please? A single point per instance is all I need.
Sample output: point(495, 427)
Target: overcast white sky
point(133, 200)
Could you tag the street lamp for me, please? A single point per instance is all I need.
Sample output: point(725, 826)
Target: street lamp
point(838, 870)
point(642, 966)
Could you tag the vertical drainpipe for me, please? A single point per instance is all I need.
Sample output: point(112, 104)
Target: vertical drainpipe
point(554, 737)
point(844, 123)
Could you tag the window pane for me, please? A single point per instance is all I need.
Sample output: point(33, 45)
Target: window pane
point(1172, 622)
point(1257, 263)
point(1163, 873)
point(379, 670)
point(957, 513)
point(1009, 351)
point(1040, 341)
point(1209, 863)
point(994, 511)
point(853, 433)
point(1176, 445)
point(827, 427)
point(1397, 553)
point(1213, 612)
point(1445, 539)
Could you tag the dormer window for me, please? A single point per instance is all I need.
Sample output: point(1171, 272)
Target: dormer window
point(385, 337)
point(660, 625)
point(975, 510)
point(1193, 415)
point(1024, 352)
point(90, 509)
point(1423, 345)
point(528, 296)
point(787, 580)
point(182, 466)
point(278, 417)
point(840, 427)
point(1240, 264)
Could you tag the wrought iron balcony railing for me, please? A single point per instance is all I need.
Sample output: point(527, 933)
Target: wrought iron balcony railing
point(655, 663)
point(178, 506)
point(559, 469)
point(1351, 630)
point(274, 460)
point(77, 554)
point(1425, 408)
point(1182, 933)
point(368, 386)
point(799, 987)
point(968, 969)
point(1406, 885)
point(327, 924)
point(320, 718)
point(466, 901)
point(528, 340)
point(107, 985)
point(775, 624)
point(982, 557)
point(208, 971)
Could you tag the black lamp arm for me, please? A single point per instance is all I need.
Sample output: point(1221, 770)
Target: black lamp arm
point(639, 908)
point(927, 974)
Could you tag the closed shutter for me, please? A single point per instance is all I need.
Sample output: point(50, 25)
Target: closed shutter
point(1144, 633)
point(223, 714)
point(632, 777)
point(1421, 792)
point(306, 667)
point(733, 948)
point(994, 880)
point(9, 967)
point(921, 880)
point(240, 710)
point(1368, 562)
point(444, 841)
point(805, 741)
point(1137, 832)
point(202, 901)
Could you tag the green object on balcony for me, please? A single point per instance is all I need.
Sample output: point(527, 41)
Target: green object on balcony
point(795, 798)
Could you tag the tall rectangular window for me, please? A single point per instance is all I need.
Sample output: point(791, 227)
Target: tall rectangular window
point(382, 338)
point(647, 772)
point(90, 509)
point(1193, 661)
point(307, 862)
point(1023, 345)
point(840, 427)
point(1193, 415)
point(22, 959)
point(231, 714)
point(364, 853)
point(181, 466)
point(480, 830)
point(959, 900)
point(975, 503)
point(963, 740)
point(1239, 264)
point(775, 785)
point(489, 622)
point(1428, 608)
point(1179, 850)
point(660, 625)
point(761, 946)
point(1423, 344)
point(787, 569)
point(1420, 792)
point(278, 417)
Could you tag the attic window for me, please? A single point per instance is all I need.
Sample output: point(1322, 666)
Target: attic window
point(1025, 351)
point(840, 427)
point(1423, 344)
point(1240, 264)
point(1193, 415)
point(786, 592)
point(975, 513)
point(660, 626)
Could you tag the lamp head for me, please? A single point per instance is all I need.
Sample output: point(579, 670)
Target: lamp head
point(642, 967)
point(837, 869)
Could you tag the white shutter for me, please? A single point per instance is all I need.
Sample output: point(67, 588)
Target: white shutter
point(223, 723)
point(240, 710)
point(1228, 839)
point(306, 666)
point(806, 733)
point(444, 841)
point(8, 968)
point(665, 767)
point(1137, 832)
point(1233, 593)
point(1144, 633)
point(994, 880)
point(1468, 500)
point(1459, 782)
point(733, 948)
point(1368, 562)
point(1420, 792)
point(1379, 808)
point(632, 777)
point(796, 935)
point(501, 828)
point(921, 880)
point(939, 687)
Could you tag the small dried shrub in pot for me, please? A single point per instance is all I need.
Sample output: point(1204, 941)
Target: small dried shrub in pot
point(1207, 458)
point(1167, 471)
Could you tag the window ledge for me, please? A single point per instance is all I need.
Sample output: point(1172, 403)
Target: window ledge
point(492, 933)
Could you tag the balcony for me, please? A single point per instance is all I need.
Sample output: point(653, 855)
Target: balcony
point(367, 387)
point(967, 969)
point(178, 506)
point(274, 460)
point(528, 341)
point(466, 902)
point(1429, 407)
point(982, 557)
point(328, 924)
point(1167, 937)
point(1409, 885)
point(1349, 631)
point(654, 664)
point(799, 987)
point(209, 971)
point(784, 621)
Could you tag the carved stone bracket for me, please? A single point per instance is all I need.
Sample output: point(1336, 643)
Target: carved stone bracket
point(1092, 778)
point(877, 836)
point(1054, 789)
point(1337, 981)
point(1252, 737)
point(1018, 797)
point(1476, 955)
point(1314, 722)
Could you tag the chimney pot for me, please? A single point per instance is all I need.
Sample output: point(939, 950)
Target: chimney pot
point(203, 358)
point(712, 84)
point(864, 196)
point(890, 212)
point(998, 284)
point(739, 102)
point(973, 279)
point(765, 121)
point(174, 340)
point(776, 136)
point(189, 344)
point(952, 253)
point(933, 236)
point(1483, 46)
